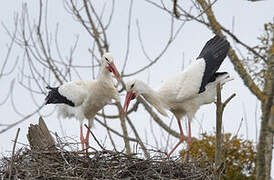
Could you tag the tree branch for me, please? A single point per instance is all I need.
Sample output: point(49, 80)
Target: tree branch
point(238, 65)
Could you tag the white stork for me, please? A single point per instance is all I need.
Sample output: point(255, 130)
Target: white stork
point(184, 93)
point(83, 99)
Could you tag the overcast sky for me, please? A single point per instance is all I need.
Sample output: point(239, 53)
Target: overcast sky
point(155, 26)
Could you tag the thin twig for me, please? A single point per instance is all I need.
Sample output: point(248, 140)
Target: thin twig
point(219, 118)
point(228, 99)
point(147, 155)
point(22, 120)
point(95, 138)
point(13, 150)
point(128, 37)
point(108, 131)
point(114, 131)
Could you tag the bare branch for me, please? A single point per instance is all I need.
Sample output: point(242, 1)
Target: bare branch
point(112, 130)
point(12, 156)
point(146, 153)
point(128, 37)
point(217, 28)
point(157, 119)
point(22, 120)
point(124, 129)
point(172, 37)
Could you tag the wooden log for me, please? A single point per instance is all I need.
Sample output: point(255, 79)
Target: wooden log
point(40, 138)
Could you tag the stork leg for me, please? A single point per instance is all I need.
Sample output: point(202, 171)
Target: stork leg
point(87, 137)
point(88, 133)
point(82, 137)
point(188, 141)
point(182, 138)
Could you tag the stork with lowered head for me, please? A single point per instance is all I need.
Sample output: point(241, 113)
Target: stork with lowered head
point(184, 93)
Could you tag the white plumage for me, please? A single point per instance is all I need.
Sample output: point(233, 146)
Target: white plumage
point(83, 99)
point(184, 93)
point(76, 91)
point(187, 83)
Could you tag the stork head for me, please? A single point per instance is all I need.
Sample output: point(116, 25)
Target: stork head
point(107, 62)
point(134, 88)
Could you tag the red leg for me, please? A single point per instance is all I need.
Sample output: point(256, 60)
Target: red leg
point(87, 137)
point(188, 141)
point(182, 138)
point(82, 137)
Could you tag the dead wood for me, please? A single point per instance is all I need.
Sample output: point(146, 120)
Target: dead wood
point(40, 138)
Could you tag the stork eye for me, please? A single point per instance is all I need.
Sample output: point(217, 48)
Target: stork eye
point(132, 86)
point(107, 59)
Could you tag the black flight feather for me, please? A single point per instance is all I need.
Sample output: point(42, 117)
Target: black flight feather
point(54, 97)
point(214, 53)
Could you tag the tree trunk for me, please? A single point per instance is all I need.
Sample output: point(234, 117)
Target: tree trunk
point(264, 149)
point(265, 145)
point(271, 120)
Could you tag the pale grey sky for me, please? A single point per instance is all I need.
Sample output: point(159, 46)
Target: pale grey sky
point(155, 25)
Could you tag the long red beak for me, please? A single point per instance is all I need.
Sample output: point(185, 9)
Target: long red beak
point(114, 70)
point(129, 97)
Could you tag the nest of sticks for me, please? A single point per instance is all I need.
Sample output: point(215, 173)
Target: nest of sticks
point(63, 164)
point(62, 160)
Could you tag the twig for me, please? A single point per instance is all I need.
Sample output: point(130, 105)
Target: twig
point(108, 131)
point(172, 37)
point(94, 29)
point(13, 150)
point(95, 138)
point(218, 147)
point(147, 155)
point(157, 119)
point(240, 125)
point(175, 11)
point(22, 120)
point(228, 99)
point(124, 128)
point(219, 115)
point(115, 132)
point(128, 37)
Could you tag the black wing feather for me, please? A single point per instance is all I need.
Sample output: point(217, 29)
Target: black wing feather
point(54, 97)
point(214, 53)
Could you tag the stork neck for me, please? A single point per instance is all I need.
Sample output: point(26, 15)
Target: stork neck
point(147, 91)
point(153, 98)
point(104, 74)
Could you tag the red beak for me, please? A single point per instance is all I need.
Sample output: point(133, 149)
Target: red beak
point(129, 97)
point(114, 70)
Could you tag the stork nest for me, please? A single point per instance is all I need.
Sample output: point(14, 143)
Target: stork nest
point(65, 164)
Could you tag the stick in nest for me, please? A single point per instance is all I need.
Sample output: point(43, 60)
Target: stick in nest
point(95, 138)
point(12, 156)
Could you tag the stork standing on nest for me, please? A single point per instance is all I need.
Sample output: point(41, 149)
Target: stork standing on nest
point(83, 99)
point(184, 93)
